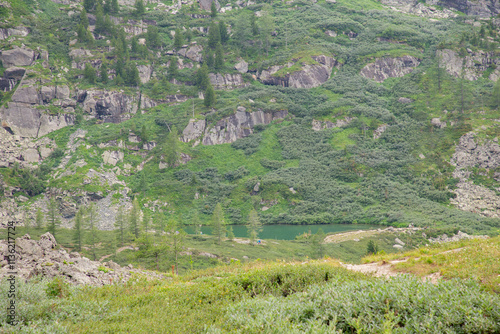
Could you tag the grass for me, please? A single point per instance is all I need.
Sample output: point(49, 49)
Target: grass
point(477, 259)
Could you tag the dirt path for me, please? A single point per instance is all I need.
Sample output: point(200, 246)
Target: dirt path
point(119, 250)
point(385, 270)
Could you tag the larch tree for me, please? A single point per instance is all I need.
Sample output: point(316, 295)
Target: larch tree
point(91, 226)
point(254, 226)
point(134, 218)
point(120, 226)
point(78, 229)
point(218, 223)
point(53, 217)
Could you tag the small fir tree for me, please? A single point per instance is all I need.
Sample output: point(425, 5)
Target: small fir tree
point(254, 226)
point(134, 218)
point(213, 35)
point(104, 73)
point(89, 73)
point(78, 230)
point(91, 226)
point(139, 8)
point(224, 37)
point(219, 57)
point(39, 219)
point(53, 217)
point(209, 99)
point(178, 39)
point(120, 226)
point(213, 9)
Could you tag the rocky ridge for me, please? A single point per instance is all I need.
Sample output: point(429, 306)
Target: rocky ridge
point(473, 65)
point(44, 258)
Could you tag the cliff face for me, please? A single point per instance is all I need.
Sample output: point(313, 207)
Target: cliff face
point(109, 106)
point(481, 8)
point(384, 68)
point(310, 75)
point(474, 64)
point(229, 129)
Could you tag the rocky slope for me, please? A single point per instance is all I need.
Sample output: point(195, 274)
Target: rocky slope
point(44, 258)
point(384, 68)
point(470, 153)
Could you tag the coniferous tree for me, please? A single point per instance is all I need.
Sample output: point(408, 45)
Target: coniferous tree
point(104, 73)
point(108, 25)
point(120, 226)
point(209, 58)
point(106, 6)
point(213, 9)
point(253, 25)
point(132, 77)
point(53, 217)
point(213, 35)
point(371, 248)
point(88, 5)
point(78, 227)
point(230, 233)
point(318, 249)
point(153, 37)
point(218, 223)
point(197, 223)
point(81, 34)
point(178, 39)
point(219, 57)
point(100, 26)
point(209, 99)
point(254, 226)
point(134, 46)
point(176, 235)
point(170, 147)
point(91, 226)
point(159, 223)
point(114, 6)
point(134, 219)
point(118, 80)
point(139, 8)
point(172, 68)
point(224, 37)
point(267, 27)
point(188, 35)
point(202, 78)
point(84, 20)
point(89, 73)
point(39, 219)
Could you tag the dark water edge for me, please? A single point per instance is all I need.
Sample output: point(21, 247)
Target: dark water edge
point(289, 232)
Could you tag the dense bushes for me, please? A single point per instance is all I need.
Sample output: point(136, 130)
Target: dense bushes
point(402, 304)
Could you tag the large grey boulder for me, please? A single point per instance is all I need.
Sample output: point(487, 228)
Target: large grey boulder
point(15, 73)
point(145, 72)
point(389, 67)
point(28, 94)
point(193, 130)
point(17, 31)
point(241, 66)
point(17, 57)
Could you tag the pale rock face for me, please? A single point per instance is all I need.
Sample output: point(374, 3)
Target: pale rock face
point(193, 52)
point(112, 157)
point(145, 72)
point(110, 106)
point(226, 81)
point(80, 53)
point(437, 123)
point(308, 77)
point(473, 197)
point(229, 129)
point(379, 131)
point(384, 68)
point(30, 155)
point(416, 8)
point(18, 31)
point(319, 125)
point(239, 125)
point(206, 4)
point(17, 57)
point(474, 66)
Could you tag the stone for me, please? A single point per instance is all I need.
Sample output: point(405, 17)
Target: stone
point(398, 241)
point(193, 130)
point(437, 123)
point(17, 31)
point(16, 73)
point(405, 100)
point(28, 95)
point(319, 125)
point(30, 155)
point(398, 246)
point(384, 68)
point(112, 157)
point(379, 131)
point(145, 72)
point(17, 57)
point(80, 53)
point(241, 66)
point(109, 106)
point(330, 33)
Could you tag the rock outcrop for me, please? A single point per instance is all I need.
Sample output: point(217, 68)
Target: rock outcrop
point(340, 123)
point(46, 259)
point(241, 66)
point(473, 65)
point(18, 31)
point(206, 4)
point(384, 68)
point(229, 129)
point(193, 52)
point(17, 57)
point(109, 106)
point(309, 75)
point(226, 81)
point(22, 117)
point(415, 7)
point(469, 196)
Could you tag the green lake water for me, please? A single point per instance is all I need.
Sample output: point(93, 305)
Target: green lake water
point(289, 232)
